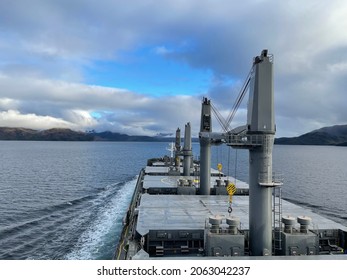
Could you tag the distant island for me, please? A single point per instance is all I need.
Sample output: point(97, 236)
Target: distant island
point(333, 135)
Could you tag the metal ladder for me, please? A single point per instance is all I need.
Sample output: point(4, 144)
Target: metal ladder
point(277, 219)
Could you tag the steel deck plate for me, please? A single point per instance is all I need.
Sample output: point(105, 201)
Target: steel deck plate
point(180, 212)
point(161, 181)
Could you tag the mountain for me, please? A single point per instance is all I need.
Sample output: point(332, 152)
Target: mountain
point(54, 134)
point(115, 136)
point(63, 134)
point(331, 135)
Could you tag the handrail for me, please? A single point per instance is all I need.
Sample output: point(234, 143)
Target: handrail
point(276, 179)
point(245, 140)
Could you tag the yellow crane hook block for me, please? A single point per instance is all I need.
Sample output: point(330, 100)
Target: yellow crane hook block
point(231, 189)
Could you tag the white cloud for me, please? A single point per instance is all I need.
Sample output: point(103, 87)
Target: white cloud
point(12, 118)
point(162, 50)
point(63, 104)
point(45, 47)
point(8, 103)
point(66, 94)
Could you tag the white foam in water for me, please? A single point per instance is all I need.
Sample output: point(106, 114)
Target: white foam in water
point(94, 238)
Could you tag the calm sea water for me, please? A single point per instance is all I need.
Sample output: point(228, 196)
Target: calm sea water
point(66, 200)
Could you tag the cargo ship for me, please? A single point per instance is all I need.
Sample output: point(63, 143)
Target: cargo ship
point(183, 208)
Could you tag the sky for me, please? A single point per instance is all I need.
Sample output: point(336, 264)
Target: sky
point(142, 67)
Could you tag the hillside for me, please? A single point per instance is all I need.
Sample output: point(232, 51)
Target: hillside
point(62, 134)
point(54, 134)
point(332, 135)
point(114, 136)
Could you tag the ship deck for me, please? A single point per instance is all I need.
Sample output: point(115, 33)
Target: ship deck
point(171, 221)
point(189, 212)
point(181, 212)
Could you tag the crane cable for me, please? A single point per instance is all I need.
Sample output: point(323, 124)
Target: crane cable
point(225, 124)
point(239, 99)
point(219, 118)
point(235, 166)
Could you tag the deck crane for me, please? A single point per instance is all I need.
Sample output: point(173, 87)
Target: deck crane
point(258, 137)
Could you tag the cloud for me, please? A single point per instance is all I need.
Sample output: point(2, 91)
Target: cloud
point(66, 94)
point(46, 47)
point(12, 118)
point(80, 106)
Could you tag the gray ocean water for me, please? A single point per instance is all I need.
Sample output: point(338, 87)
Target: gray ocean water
point(66, 200)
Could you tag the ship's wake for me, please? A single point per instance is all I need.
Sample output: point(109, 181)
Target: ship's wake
point(98, 240)
point(82, 228)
